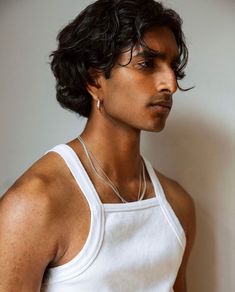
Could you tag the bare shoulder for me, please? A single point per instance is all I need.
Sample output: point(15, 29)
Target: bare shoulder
point(31, 214)
point(35, 187)
point(181, 202)
point(38, 193)
point(25, 210)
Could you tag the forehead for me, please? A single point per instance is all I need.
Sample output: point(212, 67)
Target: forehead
point(160, 39)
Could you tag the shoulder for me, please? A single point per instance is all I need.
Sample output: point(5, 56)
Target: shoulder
point(35, 186)
point(31, 223)
point(181, 202)
point(32, 208)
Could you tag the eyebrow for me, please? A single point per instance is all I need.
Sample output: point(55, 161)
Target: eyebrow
point(155, 54)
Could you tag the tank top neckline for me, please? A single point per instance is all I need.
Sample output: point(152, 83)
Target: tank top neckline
point(153, 201)
point(153, 214)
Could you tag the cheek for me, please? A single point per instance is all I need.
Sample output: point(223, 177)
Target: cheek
point(126, 99)
point(128, 90)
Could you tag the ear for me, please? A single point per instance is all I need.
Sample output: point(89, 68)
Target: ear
point(96, 89)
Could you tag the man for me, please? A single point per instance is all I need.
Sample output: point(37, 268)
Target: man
point(92, 214)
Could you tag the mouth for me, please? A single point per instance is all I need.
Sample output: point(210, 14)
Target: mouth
point(161, 107)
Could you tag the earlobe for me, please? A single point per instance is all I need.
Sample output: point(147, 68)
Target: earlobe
point(95, 93)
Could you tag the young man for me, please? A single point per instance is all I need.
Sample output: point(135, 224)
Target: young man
point(92, 214)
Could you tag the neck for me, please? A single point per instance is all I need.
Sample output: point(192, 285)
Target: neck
point(117, 149)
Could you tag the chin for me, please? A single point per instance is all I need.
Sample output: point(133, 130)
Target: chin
point(155, 127)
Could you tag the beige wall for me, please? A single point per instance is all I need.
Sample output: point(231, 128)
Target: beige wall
point(196, 147)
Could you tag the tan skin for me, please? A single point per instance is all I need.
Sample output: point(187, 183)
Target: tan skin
point(44, 217)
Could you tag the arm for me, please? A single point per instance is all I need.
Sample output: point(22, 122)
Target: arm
point(26, 242)
point(186, 213)
point(184, 208)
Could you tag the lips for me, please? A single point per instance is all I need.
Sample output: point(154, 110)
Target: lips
point(167, 104)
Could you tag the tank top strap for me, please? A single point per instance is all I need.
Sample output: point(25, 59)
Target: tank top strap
point(155, 181)
point(165, 205)
point(79, 173)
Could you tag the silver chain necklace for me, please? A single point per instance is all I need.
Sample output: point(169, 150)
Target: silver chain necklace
point(107, 180)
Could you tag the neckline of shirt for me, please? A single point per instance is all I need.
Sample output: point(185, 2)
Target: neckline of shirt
point(119, 206)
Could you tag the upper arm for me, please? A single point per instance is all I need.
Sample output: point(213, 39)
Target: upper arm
point(26, 244)
point(184, 208)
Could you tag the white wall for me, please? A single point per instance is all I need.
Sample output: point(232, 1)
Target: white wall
point(196, 148)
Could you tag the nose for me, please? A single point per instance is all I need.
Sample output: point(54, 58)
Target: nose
point(166, 81)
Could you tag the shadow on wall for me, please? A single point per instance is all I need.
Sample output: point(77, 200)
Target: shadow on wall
point(196, 154)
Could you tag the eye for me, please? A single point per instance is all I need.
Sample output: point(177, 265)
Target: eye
point(147, 64)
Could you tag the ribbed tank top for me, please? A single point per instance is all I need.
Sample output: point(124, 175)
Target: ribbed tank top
point(136, 246)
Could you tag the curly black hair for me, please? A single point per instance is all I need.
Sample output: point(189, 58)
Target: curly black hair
point(98, 36)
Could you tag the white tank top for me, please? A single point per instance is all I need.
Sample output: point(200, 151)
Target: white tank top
point(136, 246)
